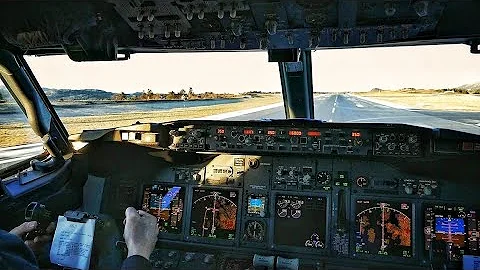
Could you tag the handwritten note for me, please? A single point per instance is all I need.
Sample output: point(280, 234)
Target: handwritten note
point(72, 243)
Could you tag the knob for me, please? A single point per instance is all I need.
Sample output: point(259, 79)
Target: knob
point(181, 176)
point(167, 265)
point(427, 191)
point(306, 178)
point(391, 146)
point(190, 140)
point(197, 177)
point(408, 189)
point(189, 256)
point(281, 172)
point(292, 173)
point(208, 259)
point(158, 264)
point(248, 140)
point(172, 253)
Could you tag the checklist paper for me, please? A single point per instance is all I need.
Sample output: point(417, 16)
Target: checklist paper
point(72, 243)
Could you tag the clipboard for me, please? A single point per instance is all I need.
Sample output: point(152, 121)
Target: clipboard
point(73, 240)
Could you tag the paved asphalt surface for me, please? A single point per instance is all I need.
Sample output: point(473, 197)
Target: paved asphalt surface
point(331, 108)
point(352, 109)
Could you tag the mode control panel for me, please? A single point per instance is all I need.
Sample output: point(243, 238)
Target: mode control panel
point(300, 137)
point(274, 139)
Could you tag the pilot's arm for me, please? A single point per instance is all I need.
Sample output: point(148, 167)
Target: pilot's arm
point(17, 254)
point(140, 235)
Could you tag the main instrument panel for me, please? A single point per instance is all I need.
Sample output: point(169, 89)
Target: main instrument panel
point(301, 195)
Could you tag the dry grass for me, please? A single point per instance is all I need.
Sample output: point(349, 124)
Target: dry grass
point(20, 133)
point(429, 100)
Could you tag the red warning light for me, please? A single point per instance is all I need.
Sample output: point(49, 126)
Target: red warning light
point(295, 132)
point(220, 131)
point(271, 132)
point(314, 133)
point(248, 132)
point(356, 134)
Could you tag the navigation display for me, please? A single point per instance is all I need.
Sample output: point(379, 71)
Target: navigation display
point(256, 205)
point(165, 203)
point(383, 228)
point(300, 221)
point(214, 213)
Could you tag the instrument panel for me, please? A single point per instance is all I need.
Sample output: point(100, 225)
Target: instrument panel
point(301, 194)
point(311, 206)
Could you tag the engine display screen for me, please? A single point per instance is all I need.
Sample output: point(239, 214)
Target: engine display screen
point(300, 221)
point(214, 213)
point(256, 205)
point(383, 228)
point(166, 203)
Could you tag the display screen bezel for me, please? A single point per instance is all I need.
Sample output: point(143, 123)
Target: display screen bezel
point(288, 248)
point(413, 203)
point(206, 240)
point(167, 235)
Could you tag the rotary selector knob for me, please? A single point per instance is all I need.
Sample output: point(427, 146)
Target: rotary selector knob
point(208, 259)
point(361, 181)
point(306, 178)
point(427, 191)
point(408, 189)
point(189, 256)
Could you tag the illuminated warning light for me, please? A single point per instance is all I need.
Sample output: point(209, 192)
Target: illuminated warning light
point(314, 133)
point(248, 132)
point(220, 131)
point(295, 133)
point(356, 134)
point(271, 132)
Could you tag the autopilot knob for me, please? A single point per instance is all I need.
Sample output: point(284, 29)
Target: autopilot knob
point(306, 178)
point(248, 140)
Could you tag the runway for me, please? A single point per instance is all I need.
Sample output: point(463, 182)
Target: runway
point(329, 108)
point(353, 109)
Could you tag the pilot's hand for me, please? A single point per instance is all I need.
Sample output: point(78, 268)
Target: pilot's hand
point(39, 241)
point(140, 232)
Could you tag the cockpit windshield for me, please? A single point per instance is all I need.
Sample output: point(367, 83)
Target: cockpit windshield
point(430, 86)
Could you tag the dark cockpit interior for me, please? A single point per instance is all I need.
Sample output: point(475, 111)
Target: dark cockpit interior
point(296, 193)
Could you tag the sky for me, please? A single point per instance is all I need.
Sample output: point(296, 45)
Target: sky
point(440, 66)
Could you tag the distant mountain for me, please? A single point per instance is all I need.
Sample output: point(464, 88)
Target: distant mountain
point(67, 94)
point(81, 94)
point(471, 86)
